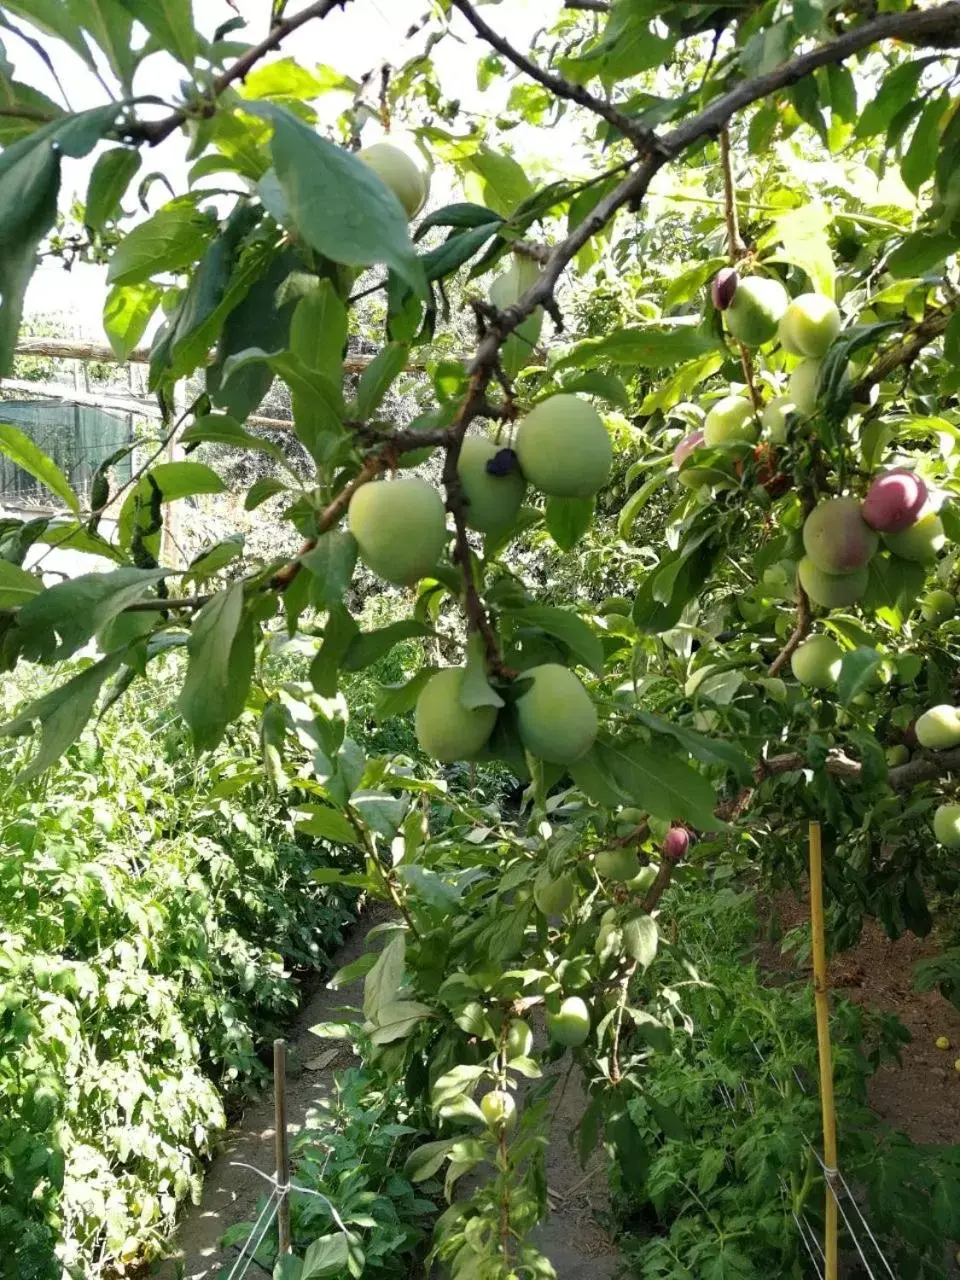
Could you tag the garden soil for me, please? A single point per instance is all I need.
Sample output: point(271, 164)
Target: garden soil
point(574, 1237)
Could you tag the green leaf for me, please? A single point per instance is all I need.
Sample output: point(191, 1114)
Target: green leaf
point(16, 585)
point(804, 234)
point(220, 428)
point(495, 179)
point(220, 652)
point(637, 501)
point(921, 252)
point(397, 1019)
point(339, 206)
point(425, 1161)
point(126, 314)
point(338, 635)
point(326, 1256)
point(653, 348)
point(55, 19)
point(640, 938)
point(261, 490)
point(805, 96)
point(332, 562)
point(111, 26)
point(379, 376)
point(173, 239)
point(21, 450)
point(476, 690)
point(111, 176)
point(448, 257)
point(383, 981)
point(324, 823)
point(592, 776)
point(368, 647)
point(921, 155)
point(318, 332)
point(566, 626)
point(63, 713)
point(170, 22)
point(464, 216)
point(707, 750)
point(898, 88)
point(318, 402)
point(17, 96)
point(166, 482)
point(568, 519)
point(215, 558)
point(607, 386)
point(61, 619)
point(857, 671)
point(662, 784)
point(397, 699)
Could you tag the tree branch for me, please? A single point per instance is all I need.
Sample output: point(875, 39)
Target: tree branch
point(804, 623)
point(735, 246)
point(642, 138)
point(594, 6)
point(905, 351)
point(926, 768)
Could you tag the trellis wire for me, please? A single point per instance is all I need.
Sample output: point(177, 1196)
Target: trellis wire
point(269, 1211)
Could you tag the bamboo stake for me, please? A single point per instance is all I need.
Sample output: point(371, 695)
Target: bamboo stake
point(280, 1142)
point(822, 1002)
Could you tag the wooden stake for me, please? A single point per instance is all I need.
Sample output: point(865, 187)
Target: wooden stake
point(821, 992)
point(280, 1140)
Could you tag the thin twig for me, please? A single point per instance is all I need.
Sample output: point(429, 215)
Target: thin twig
point(735, 246)
point(804, 623)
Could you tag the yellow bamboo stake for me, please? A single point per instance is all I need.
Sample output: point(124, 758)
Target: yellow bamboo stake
point(821, 991)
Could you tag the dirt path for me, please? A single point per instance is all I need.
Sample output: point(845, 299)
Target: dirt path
point(573, 1238)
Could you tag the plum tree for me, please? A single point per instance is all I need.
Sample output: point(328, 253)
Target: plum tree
point(564, 448)
point(894, 500)
point(400, 527)
point(946, 827)
point(832, 590)
point(552, 894)
point(445, 728)
point(938, 606)
point(939, 728)
point(493, 499)
point(396, 167)
point(816, 662)
point(804, 386)
point(617, 864)
point(837, 538)
point(499, 1109)
point(557, 719)
point(519, 1039)
point(809, 325)
point(507, 289)
point(730, 421)
point(921, 542)
point(570, 1025)
point(754, 313)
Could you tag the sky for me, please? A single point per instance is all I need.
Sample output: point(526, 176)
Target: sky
point(354, 40)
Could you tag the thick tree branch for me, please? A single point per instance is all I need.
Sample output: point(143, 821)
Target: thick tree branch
point(594, 6)
point(640, 136)
point(905, 351)
point(156, 131)
point(925, 768)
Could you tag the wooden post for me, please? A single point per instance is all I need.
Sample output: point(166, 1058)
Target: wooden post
point(821, 995)
point(280, 1141)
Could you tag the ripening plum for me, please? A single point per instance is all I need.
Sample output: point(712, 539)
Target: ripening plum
point(690, 477)
point(897, 755)
point(809, 325)
point(723, 287)
point(552, 894)
point(774, 418)
point(507, 289)
point(447, 730)
point(832, 590)
point(570, 1025)
point(675, 844)
point(617, 864)
point(946, 827)
point(753, 315)
point(564, 448)
point(894, 501)
point(939, 728)
point(396, 167)
point(499, 1109)
point(938, 606)
point(493, 501)
point(921, 542)
point(804, 386)
point(730, 421)
point(816, 662)
point(837, 538)
point(558, 721)
point(400, 528)
point(519, 1041)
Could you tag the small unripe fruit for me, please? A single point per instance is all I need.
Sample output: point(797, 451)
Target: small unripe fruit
point(730, 421)
point(557, 719)
point(641, 883)
point(832, 590)
point(939, 728)
point(816, 662)
point(564, 448)
point(942, 1043)
point(499, 1109)
point(519, 1041)
point(837, 538)
point(675, 844)
point(774, 417)
point(507, 289)
point(809, 325)
point(897, 755)
point(946, 825)
point(492, 501)
point(938, 606)
point(447, 730)
point(398, 170)
point(894, 501)
point(571, 1025)
point(920, 542)
point(803, 386)
point(400, 528)
point(724, 287)
point(617, 864)
point(552, 896)
point(753, 315)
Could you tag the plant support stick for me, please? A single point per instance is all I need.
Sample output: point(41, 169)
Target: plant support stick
point(280, 1141)
point(822, 1003)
